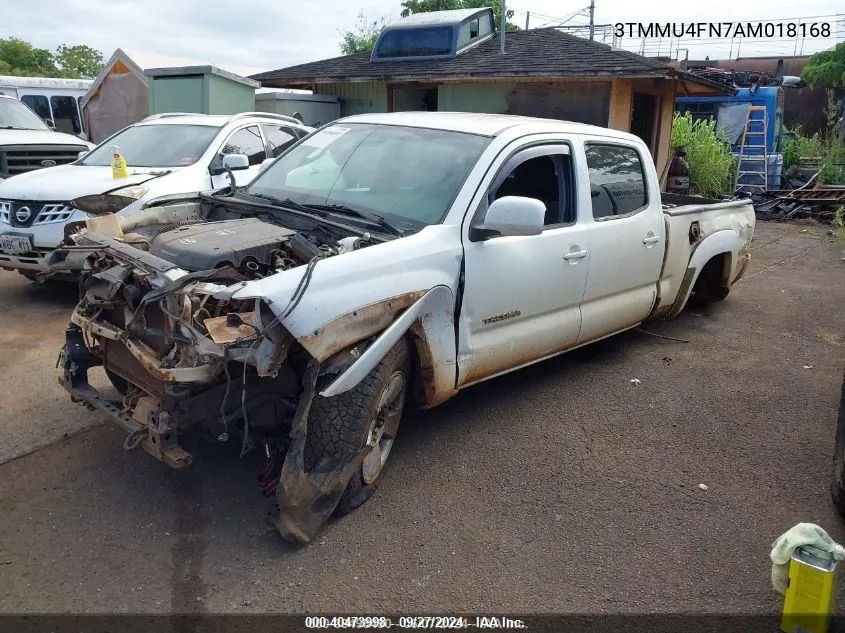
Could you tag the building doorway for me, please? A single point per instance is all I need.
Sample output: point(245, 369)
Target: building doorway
point(415, 98)
point(643, 118)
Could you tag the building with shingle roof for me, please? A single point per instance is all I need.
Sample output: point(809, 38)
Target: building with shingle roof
point(543, 72)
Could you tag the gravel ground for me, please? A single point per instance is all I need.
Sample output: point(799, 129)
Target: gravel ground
point(564, 487)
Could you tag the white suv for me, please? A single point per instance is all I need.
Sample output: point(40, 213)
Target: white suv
point(166, 154)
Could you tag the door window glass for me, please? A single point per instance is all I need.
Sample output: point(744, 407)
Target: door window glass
point(617, 180)
point(279, 138)
point(545, 178)
point(246, 141)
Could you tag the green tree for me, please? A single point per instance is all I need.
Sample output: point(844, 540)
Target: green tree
point(826, 68)
point(410, 7)
point(19, 57)
point(79, 61)
point(362, 38)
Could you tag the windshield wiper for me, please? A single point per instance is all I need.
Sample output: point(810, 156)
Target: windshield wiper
point(372, 218)
point(339, 209)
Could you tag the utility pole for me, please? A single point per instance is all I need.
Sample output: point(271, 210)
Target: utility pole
point(528, 17)
point(504, 25)
point(592, 18)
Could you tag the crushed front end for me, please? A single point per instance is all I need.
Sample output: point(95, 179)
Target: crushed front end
point(181, 353)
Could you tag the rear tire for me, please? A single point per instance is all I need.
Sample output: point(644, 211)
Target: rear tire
point(711, 286)
point(368, 413)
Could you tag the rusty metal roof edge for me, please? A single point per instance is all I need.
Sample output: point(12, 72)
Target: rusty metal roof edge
point(683, 75)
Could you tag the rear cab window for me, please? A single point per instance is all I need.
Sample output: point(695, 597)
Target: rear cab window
point(617, 180)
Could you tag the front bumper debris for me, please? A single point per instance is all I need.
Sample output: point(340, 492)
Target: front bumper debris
point(146, 426)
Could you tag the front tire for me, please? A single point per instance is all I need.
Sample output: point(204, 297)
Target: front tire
point(369, 413)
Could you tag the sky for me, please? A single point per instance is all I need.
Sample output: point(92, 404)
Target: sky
point(268, 34)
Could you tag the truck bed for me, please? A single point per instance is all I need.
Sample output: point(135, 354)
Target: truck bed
point(694, 225)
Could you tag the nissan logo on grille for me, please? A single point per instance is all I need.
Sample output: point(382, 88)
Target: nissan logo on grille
point(23, 214)
point(48, 162)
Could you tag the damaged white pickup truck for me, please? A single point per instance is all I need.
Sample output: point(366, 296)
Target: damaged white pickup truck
point(383, 259)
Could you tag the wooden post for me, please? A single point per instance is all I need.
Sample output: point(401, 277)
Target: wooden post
point(621, 101)
point(666, 112)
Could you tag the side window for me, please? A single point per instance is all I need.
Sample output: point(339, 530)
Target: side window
point(547, 178)
point(279, 138)
point(39, 104)
point(617, 180)
point(65, 114)
point(246, 141)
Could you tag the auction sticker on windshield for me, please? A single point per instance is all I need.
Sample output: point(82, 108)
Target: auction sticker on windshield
point(324, 138)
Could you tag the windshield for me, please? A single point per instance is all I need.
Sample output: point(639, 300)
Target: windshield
point(170, 145)
point(15, 115)
point(404, 173)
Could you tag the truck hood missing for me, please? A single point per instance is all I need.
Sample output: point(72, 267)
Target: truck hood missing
point(290, 309)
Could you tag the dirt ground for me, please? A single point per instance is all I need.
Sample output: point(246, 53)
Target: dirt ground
point(564, 487)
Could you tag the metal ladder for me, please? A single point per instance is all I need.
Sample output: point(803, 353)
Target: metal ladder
point(752, 166)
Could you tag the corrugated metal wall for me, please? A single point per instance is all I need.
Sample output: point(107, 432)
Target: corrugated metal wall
point(357, 97)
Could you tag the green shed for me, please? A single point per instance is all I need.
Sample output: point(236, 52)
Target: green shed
point(202, 89)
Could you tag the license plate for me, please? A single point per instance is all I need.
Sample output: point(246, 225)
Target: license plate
point(15, 244)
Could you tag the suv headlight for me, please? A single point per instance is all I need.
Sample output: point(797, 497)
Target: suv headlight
point(111, 202)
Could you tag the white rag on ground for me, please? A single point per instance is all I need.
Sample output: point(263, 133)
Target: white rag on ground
point(786, 544)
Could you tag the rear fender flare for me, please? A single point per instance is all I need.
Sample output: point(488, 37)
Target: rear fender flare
point(718, 243)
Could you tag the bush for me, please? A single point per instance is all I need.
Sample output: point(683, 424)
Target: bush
point(800, 146)
point(709, 157)
point(833, 157)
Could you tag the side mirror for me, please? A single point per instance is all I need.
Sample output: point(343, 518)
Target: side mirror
point(235, 161)
point(266, 163)
point(510, 215)
point(50, 124)
point(82, 154)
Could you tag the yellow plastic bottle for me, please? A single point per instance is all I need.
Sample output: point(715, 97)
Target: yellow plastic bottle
point(118, 164)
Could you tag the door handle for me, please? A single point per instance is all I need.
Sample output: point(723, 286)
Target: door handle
point(575, 254)
point(651, 240)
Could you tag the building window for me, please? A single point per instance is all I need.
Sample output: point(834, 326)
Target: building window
point(617, 180)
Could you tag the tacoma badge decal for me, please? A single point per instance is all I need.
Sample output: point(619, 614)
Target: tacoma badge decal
point(501, 317)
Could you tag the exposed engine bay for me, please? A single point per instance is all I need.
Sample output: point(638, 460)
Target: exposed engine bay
point(202, 235)
point(157, 312)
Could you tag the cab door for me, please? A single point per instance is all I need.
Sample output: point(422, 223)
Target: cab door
point(522, 294)
point(627, 237)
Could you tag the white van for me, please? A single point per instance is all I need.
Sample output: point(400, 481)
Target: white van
point(57, 101)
